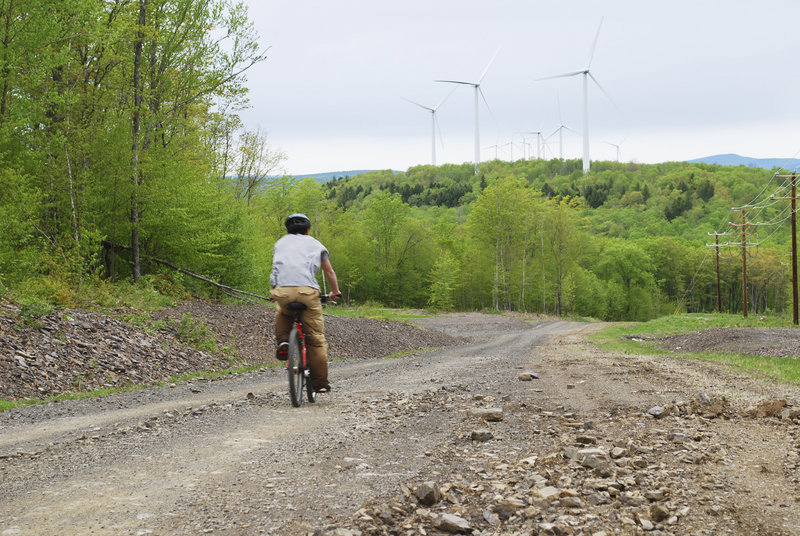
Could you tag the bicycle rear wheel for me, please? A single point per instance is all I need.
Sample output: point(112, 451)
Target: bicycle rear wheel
point(294, 367)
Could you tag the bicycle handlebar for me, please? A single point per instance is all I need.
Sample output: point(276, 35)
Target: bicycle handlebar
point(325, 299)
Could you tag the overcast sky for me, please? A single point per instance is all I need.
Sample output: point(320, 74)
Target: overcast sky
point(688, 78)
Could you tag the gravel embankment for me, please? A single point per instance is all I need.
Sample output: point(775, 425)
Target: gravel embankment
point(71, 350)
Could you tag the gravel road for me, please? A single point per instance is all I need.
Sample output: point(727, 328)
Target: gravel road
point(525, 428)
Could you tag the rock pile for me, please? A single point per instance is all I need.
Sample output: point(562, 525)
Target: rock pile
point(557, 473)
point(72, 350)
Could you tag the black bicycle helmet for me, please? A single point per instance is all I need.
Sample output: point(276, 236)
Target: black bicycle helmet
point(297, 223)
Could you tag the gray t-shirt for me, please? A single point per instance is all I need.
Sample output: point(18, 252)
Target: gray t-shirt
point(296, 260)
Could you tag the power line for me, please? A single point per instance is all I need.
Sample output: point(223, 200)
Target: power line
point(744, 225)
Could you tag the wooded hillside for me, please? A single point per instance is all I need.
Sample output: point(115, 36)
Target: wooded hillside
point(120, 143)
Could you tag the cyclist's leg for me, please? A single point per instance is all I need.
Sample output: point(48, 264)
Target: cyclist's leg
point(283, 317)
point(316, 346)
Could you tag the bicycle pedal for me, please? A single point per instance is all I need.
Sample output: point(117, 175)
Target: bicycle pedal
point(307, 373)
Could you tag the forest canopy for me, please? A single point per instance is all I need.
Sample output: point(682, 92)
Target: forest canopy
point(120, 144)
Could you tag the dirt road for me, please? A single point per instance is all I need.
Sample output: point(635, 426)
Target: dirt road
point(594, 443)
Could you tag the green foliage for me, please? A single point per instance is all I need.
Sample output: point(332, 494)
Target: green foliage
point(194, 332)
point(31, 311)
point(88, 201)
point(443, 282)
point(144, 320)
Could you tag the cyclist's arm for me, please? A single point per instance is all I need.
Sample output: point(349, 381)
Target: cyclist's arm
point(331, 275)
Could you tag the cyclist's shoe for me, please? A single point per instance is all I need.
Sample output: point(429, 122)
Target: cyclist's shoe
point(282, 352)
point(325, 388)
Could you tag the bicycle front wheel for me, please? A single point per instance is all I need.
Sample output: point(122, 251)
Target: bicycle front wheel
point(294, 367)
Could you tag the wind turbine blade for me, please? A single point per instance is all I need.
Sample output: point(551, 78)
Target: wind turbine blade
point(487, 66)
point(565, 75)
point(418, 104)
point(486, 103)
point(591, 54)
point(439, 130)
point(456, 82)
point(447, 97)
point(604, 91)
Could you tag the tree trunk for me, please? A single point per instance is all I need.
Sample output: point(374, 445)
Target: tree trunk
point(137, 108)
point(8, 15)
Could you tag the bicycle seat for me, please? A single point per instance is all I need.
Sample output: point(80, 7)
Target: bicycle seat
point(296, 306)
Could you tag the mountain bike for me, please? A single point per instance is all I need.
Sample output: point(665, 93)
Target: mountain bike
point(297, 366)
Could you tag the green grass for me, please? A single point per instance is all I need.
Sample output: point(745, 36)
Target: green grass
point(775, 368)
point(376, 312)
point(6, 405)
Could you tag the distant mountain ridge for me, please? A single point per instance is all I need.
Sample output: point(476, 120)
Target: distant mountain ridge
point(330, 175)
point(737, 160)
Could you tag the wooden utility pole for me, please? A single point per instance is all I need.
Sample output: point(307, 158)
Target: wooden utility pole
point(744, 225)
point(716, 245)
point(793, 199)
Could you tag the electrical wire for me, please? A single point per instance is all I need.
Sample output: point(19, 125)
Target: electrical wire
point(769, 202)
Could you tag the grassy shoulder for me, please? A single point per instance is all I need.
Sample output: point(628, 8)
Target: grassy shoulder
point(641, 338)
point(378, 312)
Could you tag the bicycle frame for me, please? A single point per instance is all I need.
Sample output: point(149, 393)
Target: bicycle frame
point(298, 324)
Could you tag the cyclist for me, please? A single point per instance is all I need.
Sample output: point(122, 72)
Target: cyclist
point(296, 259)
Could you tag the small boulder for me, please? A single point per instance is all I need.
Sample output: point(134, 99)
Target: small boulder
point(452, 523)
point(481, 435)
point(488, 414)
point(528, 376)
point(428, 493)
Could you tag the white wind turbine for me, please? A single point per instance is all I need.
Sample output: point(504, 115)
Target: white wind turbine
point(560, 132)
point(510, 145)
point(586, 75)
point(617, 145)
point(477, 87)
point(527, 150)
point(434, 124)
point(540, 142)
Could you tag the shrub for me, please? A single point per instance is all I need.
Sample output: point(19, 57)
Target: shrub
point(193, 331)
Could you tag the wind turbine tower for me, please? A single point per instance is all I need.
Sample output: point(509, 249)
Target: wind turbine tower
point(587, 73)
point(478, 93)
